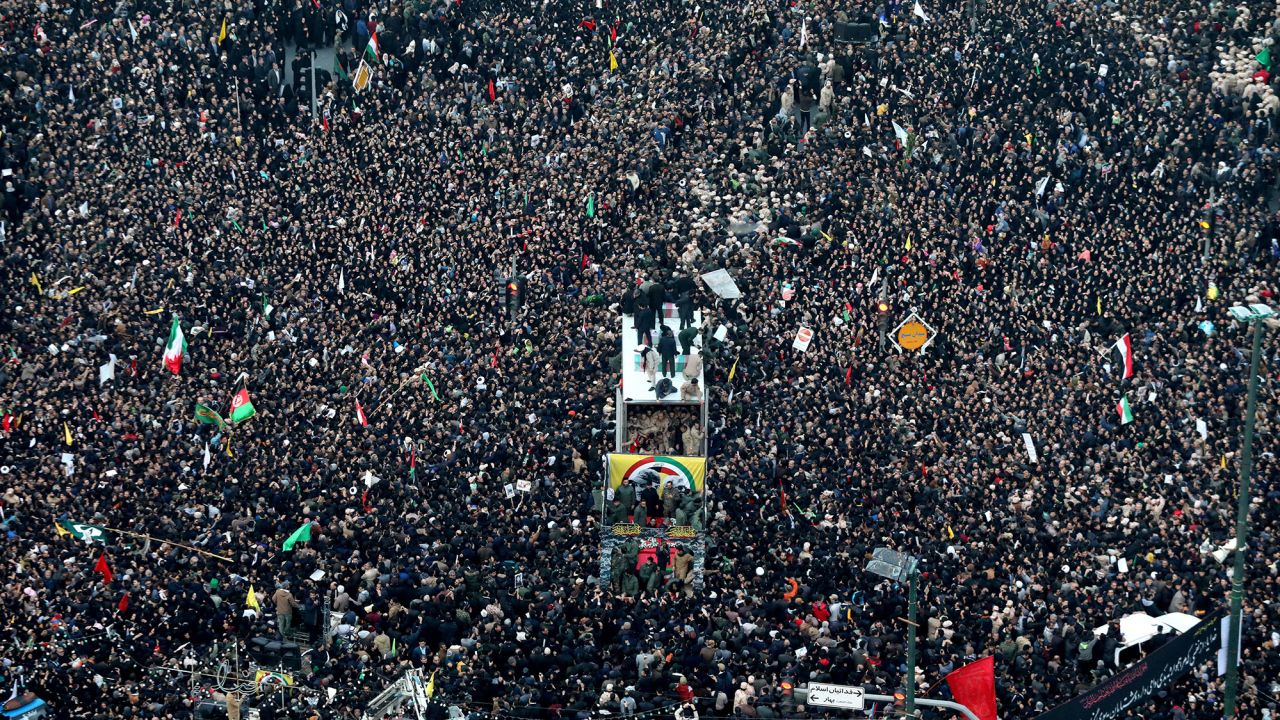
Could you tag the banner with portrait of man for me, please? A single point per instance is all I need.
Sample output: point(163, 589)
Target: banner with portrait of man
point(688, 473)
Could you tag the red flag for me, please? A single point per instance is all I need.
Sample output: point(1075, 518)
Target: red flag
point(7, 422)
point(1125, 346)
point(974, 686)
point(848, 375)
point(613, 32)
point(326, 123)
point(494, 361)
point(177, 218)
point(493, 95)
point(782, 497)
point(364, 501)
point(101, 567)
point(585, 262)
point(364, 422)
point(124, 603)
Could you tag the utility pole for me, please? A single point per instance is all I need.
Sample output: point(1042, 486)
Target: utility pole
point(1257, 315)
point(1211, 217)
point(911, 646)
point(313, 86)
point(514, 310)
point(893, 565)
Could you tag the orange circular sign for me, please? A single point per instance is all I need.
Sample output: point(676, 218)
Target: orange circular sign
point(913, 336)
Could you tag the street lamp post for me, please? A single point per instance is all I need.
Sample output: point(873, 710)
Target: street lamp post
point(893, 565)
point(1254, 314)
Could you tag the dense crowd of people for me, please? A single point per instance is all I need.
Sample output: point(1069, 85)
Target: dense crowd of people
point(1035, 180)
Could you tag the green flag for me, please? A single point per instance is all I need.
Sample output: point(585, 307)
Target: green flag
point(431, 386)
point(591, 205)
point(84, 531)
point(337, 69)
point(302, 534)
point(1264, 58)
point(241, 407)
point(209, 416)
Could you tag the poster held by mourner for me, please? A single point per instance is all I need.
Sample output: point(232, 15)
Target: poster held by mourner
point(804, 336)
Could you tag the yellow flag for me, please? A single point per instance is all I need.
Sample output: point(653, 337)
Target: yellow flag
point(613, 61)
point(229, 448)
point(1099, 304)
point(157, 311)
point(950, 535)
point(36, 281)
point(431, 684)
point(62, 532)
point(222, 34)
point(1223, 462)
point(251, 600)
point(66, 430)
point(73, 291)
point(908, 241)
point(733, 370)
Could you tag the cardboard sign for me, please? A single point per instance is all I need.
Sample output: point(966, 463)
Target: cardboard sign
point(722, 284)
point(524, 486)
point(803, 337)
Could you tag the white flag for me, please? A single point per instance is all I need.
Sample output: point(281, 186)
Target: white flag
point(133, 32)
point(342, 280)
point(71, 93)
point(1042, 185)
point(919, 12)
point(207, 457)
point(900, 132)
point(107, 371)
point(804, 33)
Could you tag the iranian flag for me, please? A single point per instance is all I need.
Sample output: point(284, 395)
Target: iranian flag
point(241, 407)
point(1126, 412)
point(1125, 347)
point(175, 348)
point(372, 47)
point(364, 422)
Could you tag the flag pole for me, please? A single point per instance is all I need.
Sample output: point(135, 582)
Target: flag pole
point(167, 542)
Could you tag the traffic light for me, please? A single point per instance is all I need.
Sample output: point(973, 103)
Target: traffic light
point(515, 293)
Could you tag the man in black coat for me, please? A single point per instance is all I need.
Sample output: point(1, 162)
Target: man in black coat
point(657, 295)
point(646, 321)
point(684, 306)
point(668, 350)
